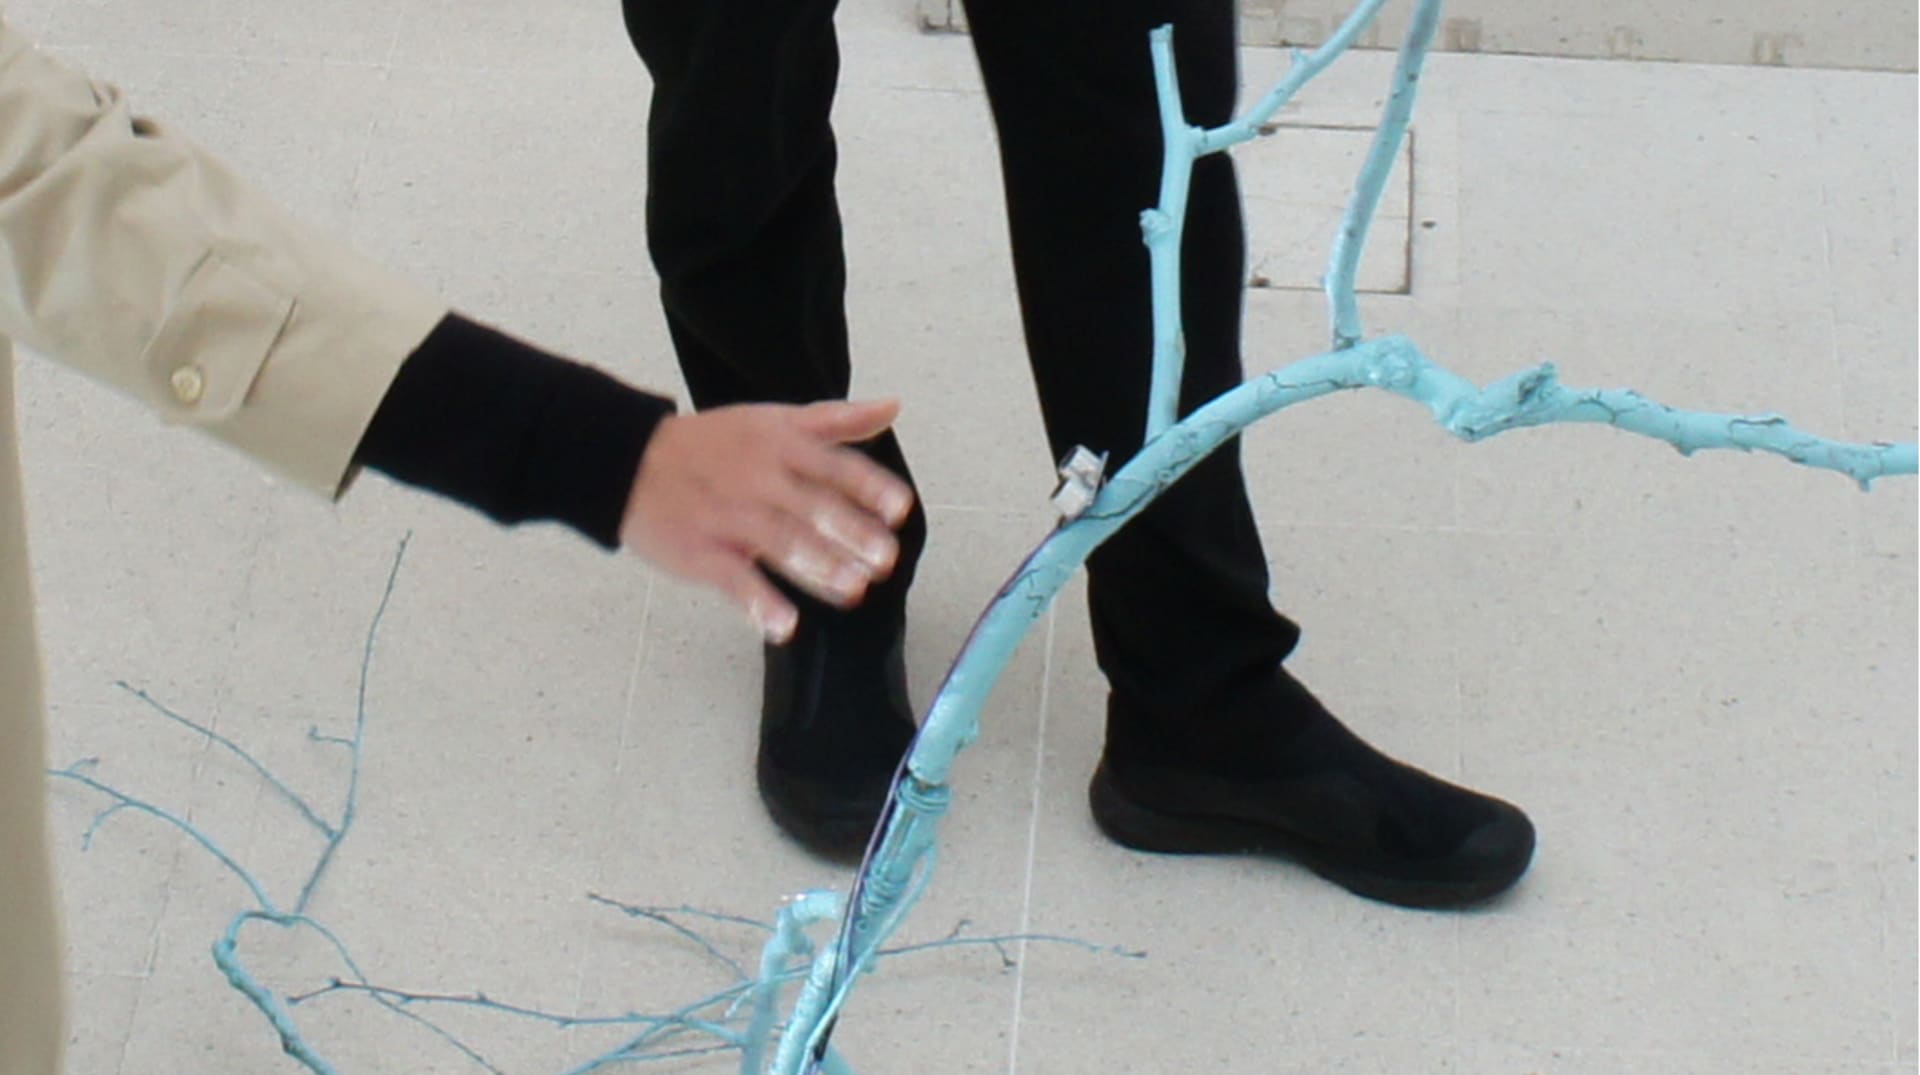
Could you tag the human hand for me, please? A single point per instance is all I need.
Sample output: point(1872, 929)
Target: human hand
point(718, 492)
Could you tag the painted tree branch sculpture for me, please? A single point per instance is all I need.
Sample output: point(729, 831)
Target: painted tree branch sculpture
point(738, 1017)
point(900, 860)
point(901, 857)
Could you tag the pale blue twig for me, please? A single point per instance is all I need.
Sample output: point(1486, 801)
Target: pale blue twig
point(1163, 228)
point(359, 737)
point(99, 820)
point(1344, 266)
point(483, 1002)
point(274, 782)
point(642, 1048)
point(632, 1049)
point(652, 913)
point(1304, 69)
point(123, 801)
point(226, 956)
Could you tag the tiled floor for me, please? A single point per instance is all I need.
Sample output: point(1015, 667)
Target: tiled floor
point(1699, 676)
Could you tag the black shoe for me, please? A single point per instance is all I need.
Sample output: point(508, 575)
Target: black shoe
point(834, 723)
point(1302, 786)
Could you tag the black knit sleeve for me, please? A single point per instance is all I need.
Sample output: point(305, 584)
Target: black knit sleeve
point(512, 431)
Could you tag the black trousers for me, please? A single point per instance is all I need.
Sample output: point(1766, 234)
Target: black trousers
point(745, 231)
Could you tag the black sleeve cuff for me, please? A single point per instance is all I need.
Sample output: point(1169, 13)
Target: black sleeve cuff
point(512, 431)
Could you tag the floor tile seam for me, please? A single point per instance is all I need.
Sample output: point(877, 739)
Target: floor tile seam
point(560, 68)
point(860, 86)
point(223, 686)
point(407, 8)
point(1039, 509)
point(164, 53)
point(368, 139)
point(1782, 298)
point(279, 57)
point(1748, 540)
point(641, 650)
point(1455, 986)
point(152, 958)
point(1838, 387)
point(1839, 1060)
point(1269, 520)
point(609, 837)
point(1562, 1049)
point(126, 1043)
point(198, 788)
point(1890, 959)
point(129, 976)
point(1860, 541)
point(1036, 791)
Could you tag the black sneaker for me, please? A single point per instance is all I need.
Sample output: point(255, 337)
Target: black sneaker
point(835, 721)
point(1301, 786)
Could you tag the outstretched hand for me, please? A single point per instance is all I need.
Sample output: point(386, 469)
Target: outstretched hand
point(721, 493)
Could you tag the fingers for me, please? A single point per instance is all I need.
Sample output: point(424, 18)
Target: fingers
point(721, 495)
point(847, 474)
point(733, 573)
point(848, 422)
point(850, 528)
point(859, 533)
point(795, 548)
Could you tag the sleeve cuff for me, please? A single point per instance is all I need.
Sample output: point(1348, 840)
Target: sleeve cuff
point(512, 431)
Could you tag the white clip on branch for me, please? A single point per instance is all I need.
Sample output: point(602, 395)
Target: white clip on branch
point(1081, 475)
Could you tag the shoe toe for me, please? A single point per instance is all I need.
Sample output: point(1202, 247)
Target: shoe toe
point(833, 819)
point(835, 722)
point(1496, 854)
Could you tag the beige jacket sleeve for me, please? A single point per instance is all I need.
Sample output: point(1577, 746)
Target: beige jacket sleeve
point(133, 255)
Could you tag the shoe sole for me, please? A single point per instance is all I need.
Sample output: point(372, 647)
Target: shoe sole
point(838, 835)
point(1142, 828)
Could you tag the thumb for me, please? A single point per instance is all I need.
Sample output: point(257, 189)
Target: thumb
point(846, 423)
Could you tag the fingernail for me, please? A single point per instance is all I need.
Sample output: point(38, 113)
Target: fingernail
point(775, 624)
point(848, 579)
point(878, 553)
point(809, 569)
point(894, 505)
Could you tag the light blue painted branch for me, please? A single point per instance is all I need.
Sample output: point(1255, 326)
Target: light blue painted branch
point(1531, 397)
point(359, 738)
point(1163, 229)
point(1302, 72)
point(279, 786)
point(226, 956)
point(123, 801)
point(904, 854)
point(905, 846)
point(1344, 266)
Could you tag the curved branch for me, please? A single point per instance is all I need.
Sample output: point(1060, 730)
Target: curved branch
point(1344, 265)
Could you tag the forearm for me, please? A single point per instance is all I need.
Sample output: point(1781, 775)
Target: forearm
point(512, 431)
point(133, 255)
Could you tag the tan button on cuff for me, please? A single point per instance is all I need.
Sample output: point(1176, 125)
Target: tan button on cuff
point(203, 360)
point(189, 384)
